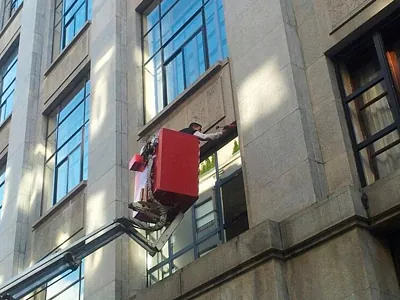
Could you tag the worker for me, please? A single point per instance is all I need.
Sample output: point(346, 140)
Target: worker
point(195, 129)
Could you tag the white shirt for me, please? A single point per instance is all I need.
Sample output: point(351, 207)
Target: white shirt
point(208, 136)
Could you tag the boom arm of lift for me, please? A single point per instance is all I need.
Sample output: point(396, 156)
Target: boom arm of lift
point(69, 259)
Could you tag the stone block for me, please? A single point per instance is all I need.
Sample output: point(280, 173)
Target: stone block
point(101, 262)
point(335, 270)
point(10, 33)
point(343, 204)
point(270, 103)
point(383, 194)
point(226, 257)
point(321, 80)
point(379, 264)
point(110, 291)
point(258, 20)
point(338, 172)
point(310, 36)
point(303, 9)
point(263, 282)
point(329, 131)
point(294, 44)
point(168, 289)
point(286, 195)
point(65, 65)
point(6, 268)
point(275, 152)
point(271, 49)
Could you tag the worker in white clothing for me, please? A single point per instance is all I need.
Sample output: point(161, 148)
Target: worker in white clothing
point(195, 129)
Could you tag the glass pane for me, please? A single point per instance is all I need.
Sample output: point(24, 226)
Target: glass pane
point(216, 33)
point(74, 168)
point(360, 67)
point(69, 104)
point(151, 16)
point(1, 195)
point(194, 59)
point(234, 207)
point(62, 180)
point(70, 146)
point(208, 245)
point(229, 159)
point(177, 16)
point(70, 125)
point(379, 166)
point(160, 256)
point(183, 236)
point(69, 33)
point(151, 43)
point(48, 184)
point(87, 108)
point(183, 36)
point(86, 153)
point(9, 77)
point(57, 44)
point(82, 295)
point(9, 104)
point(57, 285)
point(80, 18)
point(89, 8)
point(73, 10)
point(51, 144)
point(2, 173)
point(371, 119)
point(154, 88)
point(175, 80)
point(166, 4)
point(69, 294)
point(184, 259)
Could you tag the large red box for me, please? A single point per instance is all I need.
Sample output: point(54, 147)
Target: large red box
point(176, 170)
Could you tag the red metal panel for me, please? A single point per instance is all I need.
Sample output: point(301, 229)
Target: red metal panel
point(176, 169)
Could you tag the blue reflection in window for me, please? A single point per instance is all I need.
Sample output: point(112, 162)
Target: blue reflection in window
point(193, 38)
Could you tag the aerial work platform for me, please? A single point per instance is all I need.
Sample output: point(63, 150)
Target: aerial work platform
point(166, 186)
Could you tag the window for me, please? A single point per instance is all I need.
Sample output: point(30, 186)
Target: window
point(9, 72)
point(10, 7)
point(69, 285)
point(370, 86)
point(67, 144)
point(181, 40)
point(219, 214)
point(2, 182)
point(69, 18)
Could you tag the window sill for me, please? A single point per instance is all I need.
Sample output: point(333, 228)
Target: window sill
point(11, 19)
point(63, 201)
point(182, 97)
point(64, 52)
point(5, 122)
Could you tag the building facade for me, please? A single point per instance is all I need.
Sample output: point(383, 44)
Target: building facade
point(300, 202)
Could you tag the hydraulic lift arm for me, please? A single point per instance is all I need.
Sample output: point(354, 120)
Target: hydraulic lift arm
point(70, 258)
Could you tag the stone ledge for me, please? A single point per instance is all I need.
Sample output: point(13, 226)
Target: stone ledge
point(63, 201)
point(66, 49)
point(11, 19)
point(337, 214)
point(170, 108)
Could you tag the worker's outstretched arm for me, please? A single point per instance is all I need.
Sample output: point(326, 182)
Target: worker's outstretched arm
point(208, 136)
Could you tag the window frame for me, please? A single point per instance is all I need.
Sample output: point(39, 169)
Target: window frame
point(175, 53)
point(384, 76)
point(10, 7)
point(3, 166)
point(10, 63)
point(86, 96)
point(62, 43)
point(220, 227)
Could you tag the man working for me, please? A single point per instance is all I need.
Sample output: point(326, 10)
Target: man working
point(195, 129)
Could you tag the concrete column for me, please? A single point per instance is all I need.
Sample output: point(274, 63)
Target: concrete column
point(109, 273)
point(21, 185)
point(281, 154)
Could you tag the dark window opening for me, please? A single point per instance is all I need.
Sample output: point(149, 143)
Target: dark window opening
point(370, 85)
